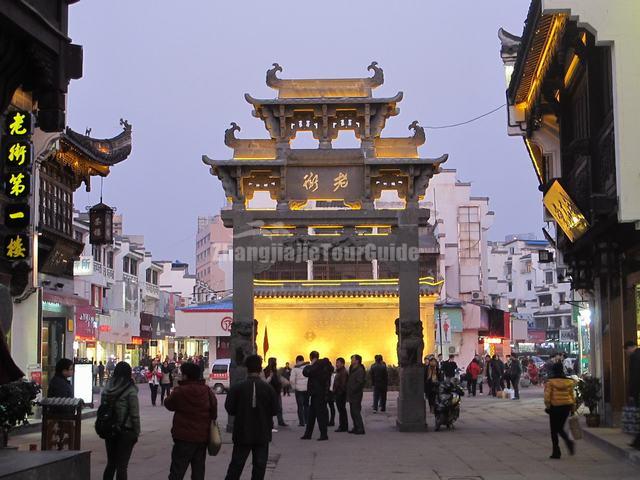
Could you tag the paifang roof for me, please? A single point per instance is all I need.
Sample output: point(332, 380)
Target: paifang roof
point(325, 88)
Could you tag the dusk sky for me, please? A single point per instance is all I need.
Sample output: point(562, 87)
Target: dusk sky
point(178, 75)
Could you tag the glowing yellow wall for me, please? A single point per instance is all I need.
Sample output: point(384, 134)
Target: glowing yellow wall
point(335, 327)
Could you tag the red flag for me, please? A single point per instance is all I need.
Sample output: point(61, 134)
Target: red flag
point(265, 342)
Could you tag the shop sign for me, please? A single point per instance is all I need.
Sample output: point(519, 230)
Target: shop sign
point(568, 335)
point(15, 171)
point(565, 211)
point(226, 323)
point(104, 328)
point(136, 340)
point(537, 336)
point(131, 346)
point(85, 322)
point(448, 320)
point(83, 267)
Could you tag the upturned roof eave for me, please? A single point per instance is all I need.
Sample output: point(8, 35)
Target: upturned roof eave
point(319, 100)
point(528, 33)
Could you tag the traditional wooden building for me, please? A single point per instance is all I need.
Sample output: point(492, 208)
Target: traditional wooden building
point(37, 62)
point(48, 315)
point(323, 268)
point(573, 98)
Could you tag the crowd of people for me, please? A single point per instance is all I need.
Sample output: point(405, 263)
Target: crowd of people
point(320, 388)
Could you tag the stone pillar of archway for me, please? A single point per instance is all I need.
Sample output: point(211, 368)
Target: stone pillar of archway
point(411, 405)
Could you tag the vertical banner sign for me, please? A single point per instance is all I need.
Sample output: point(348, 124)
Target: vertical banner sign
point(15, 166)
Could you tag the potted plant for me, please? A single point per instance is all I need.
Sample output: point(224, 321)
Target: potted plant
point(16, 404)
point(589, 394)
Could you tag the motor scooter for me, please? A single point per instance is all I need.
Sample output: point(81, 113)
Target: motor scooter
point(447, 407)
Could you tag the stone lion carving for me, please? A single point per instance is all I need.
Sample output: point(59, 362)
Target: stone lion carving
point(243, 340)
point(410, 342)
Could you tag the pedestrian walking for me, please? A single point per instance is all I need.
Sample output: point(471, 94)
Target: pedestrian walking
point(319, 375)
point(380, 383)
point(432, 379)
point(634, 381)
point(253, 403)
point(195, 406)
point(449, 368)
point(154, 376)
point(299, 383)
point(272, 377)
point(59, 386)
point(515, 372)
point(340, 392)
point(355, 389)
point(165, 381)
point(121, 392)
point(560, 402)
point(473, 371)
point(100, 373)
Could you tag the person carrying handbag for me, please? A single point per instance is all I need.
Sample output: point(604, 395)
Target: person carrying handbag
point(195, 406)
point(560, 402)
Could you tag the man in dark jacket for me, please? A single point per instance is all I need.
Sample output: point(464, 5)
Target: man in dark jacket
point(634, 380)
point(340, 391)
point(254, 404)
point(59, 386)
point(355, 388)
point(449, 368)
point(195, 406)
point(496, 368)
point(319, 375)
point(380, 383)
point(515, 371)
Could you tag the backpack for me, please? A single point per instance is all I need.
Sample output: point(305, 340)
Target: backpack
point(107, 426)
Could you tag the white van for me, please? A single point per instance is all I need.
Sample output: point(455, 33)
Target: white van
point(219, 376)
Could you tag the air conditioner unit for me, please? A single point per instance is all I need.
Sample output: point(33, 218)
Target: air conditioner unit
point(476, 295)
point(453, 350)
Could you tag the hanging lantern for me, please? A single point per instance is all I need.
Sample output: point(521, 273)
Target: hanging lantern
point(100, 224)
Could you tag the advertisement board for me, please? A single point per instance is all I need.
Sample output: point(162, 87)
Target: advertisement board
point(83, 382)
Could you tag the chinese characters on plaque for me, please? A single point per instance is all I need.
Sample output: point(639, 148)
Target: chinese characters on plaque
point(16, 151)
point(325, 182)
point(565, 212)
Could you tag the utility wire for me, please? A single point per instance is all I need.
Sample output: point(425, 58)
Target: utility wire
point(466, 122)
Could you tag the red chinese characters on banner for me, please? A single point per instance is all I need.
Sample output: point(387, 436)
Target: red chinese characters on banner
point(85, 322)
point(537, 336)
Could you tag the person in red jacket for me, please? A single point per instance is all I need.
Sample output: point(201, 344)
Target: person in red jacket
point(195, 406)
point(473, 370)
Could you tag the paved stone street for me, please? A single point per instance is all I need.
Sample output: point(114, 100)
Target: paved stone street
point(494, 440)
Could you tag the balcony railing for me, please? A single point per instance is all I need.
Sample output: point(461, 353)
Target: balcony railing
point(130, 278)
point(150, 290)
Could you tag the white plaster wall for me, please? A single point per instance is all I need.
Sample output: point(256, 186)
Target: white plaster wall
point(24, 332)
point(616, 23)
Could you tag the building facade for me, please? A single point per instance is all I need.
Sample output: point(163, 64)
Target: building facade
point(38, 62)
point(213, 243)
point(573, 97)
point(525, 280)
